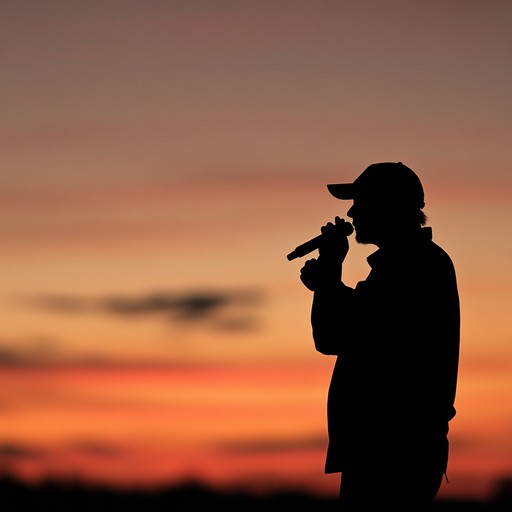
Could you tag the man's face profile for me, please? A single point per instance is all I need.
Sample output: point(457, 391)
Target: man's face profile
point(367, 219)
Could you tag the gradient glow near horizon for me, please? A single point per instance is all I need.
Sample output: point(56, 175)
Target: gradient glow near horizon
point(158, 162)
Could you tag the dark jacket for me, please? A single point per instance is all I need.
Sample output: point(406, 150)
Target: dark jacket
point(396, 338)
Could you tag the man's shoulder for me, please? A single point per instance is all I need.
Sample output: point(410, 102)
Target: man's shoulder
point(438, 252)
point(438, 264)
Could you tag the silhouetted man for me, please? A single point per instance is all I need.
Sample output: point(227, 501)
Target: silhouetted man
point(396, 341)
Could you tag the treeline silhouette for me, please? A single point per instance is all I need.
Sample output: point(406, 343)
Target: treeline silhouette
point(17, 496)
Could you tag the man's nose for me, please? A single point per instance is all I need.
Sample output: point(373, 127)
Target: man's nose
point(350, 212)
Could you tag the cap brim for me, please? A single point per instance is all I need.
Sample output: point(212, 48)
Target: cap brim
point(342, 190)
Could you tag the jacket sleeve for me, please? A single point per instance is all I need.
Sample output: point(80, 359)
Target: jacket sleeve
point(332, 319)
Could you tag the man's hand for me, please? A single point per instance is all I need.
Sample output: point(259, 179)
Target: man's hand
point(311, 275)
point(334, 245)
point(324, 272)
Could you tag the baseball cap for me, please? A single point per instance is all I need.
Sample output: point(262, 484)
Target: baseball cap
point(383, 180)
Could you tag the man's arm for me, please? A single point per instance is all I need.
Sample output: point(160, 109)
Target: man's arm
point(331, 299)
point(331, 318)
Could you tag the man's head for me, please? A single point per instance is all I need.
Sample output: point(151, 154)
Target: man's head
point(388, 197)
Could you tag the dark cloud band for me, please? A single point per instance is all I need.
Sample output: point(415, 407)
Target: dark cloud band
point(223, 309)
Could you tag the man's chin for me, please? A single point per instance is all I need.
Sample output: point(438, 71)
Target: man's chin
point(362, 239)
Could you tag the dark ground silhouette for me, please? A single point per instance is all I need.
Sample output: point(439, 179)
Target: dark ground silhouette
point(53, 496)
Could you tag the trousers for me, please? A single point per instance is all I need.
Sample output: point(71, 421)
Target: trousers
point(367, 490)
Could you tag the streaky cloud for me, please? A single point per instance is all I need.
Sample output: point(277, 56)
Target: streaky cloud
point(28, 351)
point(15, 451)
point(97, 449)
point(218, 309)
point(313, 442)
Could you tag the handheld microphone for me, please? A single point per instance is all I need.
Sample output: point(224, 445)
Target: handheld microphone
point(314, 243)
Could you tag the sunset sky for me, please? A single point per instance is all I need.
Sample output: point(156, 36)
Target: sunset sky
point(159, 160)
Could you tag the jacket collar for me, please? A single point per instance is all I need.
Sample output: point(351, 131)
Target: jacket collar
point(402, 247)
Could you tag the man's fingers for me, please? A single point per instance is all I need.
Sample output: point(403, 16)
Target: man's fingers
point(308, 264)
point(326, 228)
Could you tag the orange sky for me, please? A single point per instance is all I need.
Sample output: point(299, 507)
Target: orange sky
point(160, 159)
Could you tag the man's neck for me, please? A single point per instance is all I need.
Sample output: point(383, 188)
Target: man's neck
point(402, 236)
